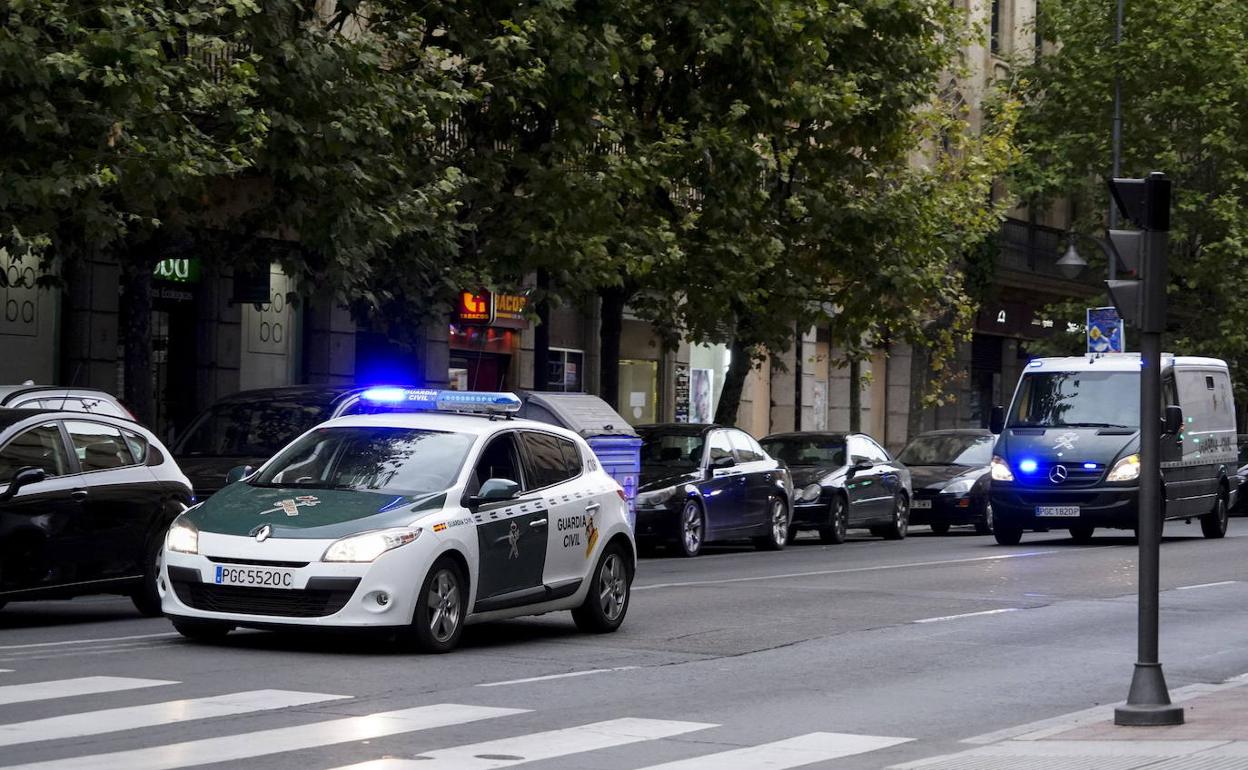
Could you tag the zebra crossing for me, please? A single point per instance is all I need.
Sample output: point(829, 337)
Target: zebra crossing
point(251, 748)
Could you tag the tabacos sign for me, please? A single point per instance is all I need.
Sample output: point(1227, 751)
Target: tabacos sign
point(485, 308)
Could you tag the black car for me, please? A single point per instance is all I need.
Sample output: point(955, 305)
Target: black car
point(841, 481)
point(706, 483)
point(85, 500)
point(950, 470)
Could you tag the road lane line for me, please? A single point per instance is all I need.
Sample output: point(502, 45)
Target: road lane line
point(6, 671)
point(246, 746)
point(168, 713)
point(781, 755)
point(1207, 585)
point(559, 676)
point(4, 648)
point(538, 746)
point(848, 570)
point(68, 688)
point(969, 615)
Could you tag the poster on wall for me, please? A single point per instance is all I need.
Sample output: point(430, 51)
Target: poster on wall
point(701, 382)
point(820, 405)
point(682, 392)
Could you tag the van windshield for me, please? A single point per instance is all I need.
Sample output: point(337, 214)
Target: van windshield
point(1077, 400)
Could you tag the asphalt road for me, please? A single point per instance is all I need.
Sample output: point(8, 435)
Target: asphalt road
point(733, 650)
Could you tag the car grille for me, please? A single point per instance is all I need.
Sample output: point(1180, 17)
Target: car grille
point(294, 603)
point(1076, 476)
point(257, 562)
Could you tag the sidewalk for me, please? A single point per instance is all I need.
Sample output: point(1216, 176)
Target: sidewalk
point(1213, 737)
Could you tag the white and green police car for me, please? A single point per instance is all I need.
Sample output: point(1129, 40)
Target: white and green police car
point(436, 511)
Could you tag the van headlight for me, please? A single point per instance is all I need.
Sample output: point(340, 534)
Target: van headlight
point(1001, 470)
point(961, 486)
point(368, 546)
point(809, 493)
point(183, 536)
point(1126, 469)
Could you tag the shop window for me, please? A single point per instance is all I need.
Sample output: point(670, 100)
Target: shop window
point(565, 371)
point(638, 394)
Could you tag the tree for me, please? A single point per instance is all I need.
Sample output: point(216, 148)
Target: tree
point(1182, 115)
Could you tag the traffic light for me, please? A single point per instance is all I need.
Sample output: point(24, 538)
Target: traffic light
point(1141, 300)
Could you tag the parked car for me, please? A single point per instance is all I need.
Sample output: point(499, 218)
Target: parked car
point(843, 481)
point(705, 483)
point(31, 396)
point(84, 504)
point(1240, 505)
point(950, 473)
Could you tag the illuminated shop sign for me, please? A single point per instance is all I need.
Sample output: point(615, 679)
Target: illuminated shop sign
point(484, 308)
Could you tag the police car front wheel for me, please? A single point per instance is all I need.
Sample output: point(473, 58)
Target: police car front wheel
point(606, 604)
point(438, 622)
point(201, 630)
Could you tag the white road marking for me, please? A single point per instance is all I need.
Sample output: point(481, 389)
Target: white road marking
point(4, 648)
point(781, 755)
point(538, 746)
point(234, 748)
point(1207, 585)
point(559, 676)
point(848, 570)
point(969, 615)
point(6, 671)
point(171, 712)
point(68, 688)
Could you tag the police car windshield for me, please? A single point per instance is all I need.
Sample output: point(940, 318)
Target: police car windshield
point(403, 461)
point(1077, 400)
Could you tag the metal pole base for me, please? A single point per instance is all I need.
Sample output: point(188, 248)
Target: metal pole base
point(1148, 702)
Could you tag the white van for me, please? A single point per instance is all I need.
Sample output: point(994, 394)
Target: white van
point(1067, 452)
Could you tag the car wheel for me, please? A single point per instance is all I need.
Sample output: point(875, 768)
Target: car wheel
point(939, 527)
point(778, 527)
point(834, 534)
point(985, 527)
point(1213, 525)
point(146, 597)
point(438, 621)
point(2, 605)
point(606, 604)
point(900, 525)
point(1082, 533)
point(201, 630)
point(1007, 534)
point(692, 529)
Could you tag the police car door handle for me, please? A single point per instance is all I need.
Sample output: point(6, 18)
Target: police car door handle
point(537, 523)
point(592, 507)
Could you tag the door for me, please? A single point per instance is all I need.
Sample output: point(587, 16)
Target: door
point(121, 497)
point(724, 490)
point(868, 500)
point(41, 543)
point(758, 473)
point(574, 512)
point(511, 534)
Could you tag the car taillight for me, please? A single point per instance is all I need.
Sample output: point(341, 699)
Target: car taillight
point(620, 491)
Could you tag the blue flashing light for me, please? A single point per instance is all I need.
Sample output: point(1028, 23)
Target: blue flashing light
point(1027, 466)
point(1089, 466)
point(1035, 362)
point(387, 395)
point(443, 400)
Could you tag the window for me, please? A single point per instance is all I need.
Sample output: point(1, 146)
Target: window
point(99, 447)
point(721, 448)
point(876, 453)
point(39, 447)
point(571, 457)
point(546, 459)
point(498, 461)
point(566, 372)
point(994, 33)
point(251, 428)
point(748, 451)
point(808, 450)
point(863, 449)
point(137, 444)
point(677, 451)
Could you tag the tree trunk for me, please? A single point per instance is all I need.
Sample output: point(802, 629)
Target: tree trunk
point(136, 286)
point(734, 384)
point(918, 388)
point(612, 323)
point(541, 334)
point(855, 396)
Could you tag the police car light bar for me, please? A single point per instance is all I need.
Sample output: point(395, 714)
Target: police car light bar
point(444, 400)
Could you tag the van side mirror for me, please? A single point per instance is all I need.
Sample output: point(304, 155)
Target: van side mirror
point(1173, 420)
point(238, 473)
point(996, 421)
point(24, 476)
point(493, 491)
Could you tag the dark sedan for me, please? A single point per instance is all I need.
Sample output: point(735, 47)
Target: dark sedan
point(842, 481)
point(705, 483)
point(950, 473)
point(85, 500)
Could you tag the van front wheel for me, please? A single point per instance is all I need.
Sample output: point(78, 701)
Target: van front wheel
point(1007, 534)
point(1214, 523)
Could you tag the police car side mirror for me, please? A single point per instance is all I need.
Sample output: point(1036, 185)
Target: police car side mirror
point(27, 475)
point(1173, 420)
point(996, 421)
point(494, 490)
point(238, 473)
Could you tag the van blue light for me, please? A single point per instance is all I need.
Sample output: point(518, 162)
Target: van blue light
point(1089, 466)
point(1027, 466)
point(1035, 362)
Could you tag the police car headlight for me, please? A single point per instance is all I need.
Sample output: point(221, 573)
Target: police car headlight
point(368, 546)
point(959, 487)
point(183, 536)
point(810, 493)
point(1001, 470)
point(654, 499)
point(1126, 469)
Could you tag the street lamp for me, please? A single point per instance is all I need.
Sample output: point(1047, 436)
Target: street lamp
point(1071, 264)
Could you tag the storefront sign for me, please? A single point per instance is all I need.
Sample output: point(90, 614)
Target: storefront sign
point(177, 270)
point(475, 307)
point(484, 308)
point(509, 311)
point(1105, 331)
point(682, 392)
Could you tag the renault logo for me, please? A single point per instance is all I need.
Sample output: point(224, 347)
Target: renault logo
point(1058, 474)
point(263, 533)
